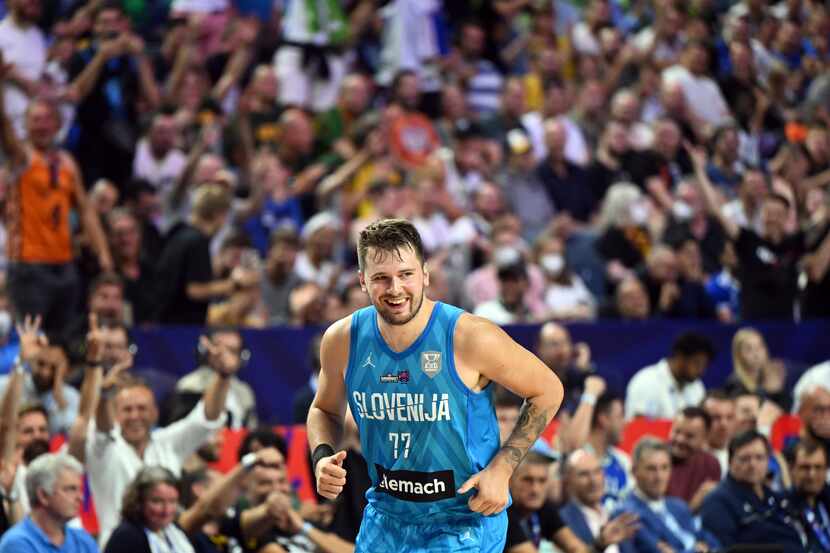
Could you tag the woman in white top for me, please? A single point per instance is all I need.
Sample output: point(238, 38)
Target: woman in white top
point(148, 511)
point(566, 296)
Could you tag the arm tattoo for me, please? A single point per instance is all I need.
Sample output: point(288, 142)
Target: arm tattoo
point(532, 422)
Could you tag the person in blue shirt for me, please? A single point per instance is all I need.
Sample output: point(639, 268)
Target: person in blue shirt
point(810, 496)
point(54, 485)
point(416, 374)
point(742, 510)
point(664, 521)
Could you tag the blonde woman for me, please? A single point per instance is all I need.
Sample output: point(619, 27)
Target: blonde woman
point(753, 372)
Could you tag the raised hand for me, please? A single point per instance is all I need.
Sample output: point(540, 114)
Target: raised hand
point(94, 341)
point(31, 340)
point(219, 357)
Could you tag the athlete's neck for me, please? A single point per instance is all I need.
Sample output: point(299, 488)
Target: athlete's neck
point(400, 337)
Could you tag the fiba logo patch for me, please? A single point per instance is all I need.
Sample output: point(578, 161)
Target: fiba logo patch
point(431, 363)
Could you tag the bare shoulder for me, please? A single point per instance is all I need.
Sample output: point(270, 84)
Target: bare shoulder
point(477, 335)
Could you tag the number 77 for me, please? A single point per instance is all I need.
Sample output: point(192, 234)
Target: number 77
point(397, 439)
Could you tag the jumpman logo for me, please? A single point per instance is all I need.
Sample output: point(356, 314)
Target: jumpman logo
point(368, 362)
point(465, 536)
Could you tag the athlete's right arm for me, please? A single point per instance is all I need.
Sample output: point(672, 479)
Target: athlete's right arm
point(325, 418)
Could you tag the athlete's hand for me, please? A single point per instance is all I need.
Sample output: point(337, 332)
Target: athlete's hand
point(491, 486)
point(331, 476)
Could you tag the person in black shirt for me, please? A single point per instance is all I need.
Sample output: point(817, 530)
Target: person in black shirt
point(769, 262)
point(568, 185)
point(810, 496)
point(108, 80)
point(184, 275)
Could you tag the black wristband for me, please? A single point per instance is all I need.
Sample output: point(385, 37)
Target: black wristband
point(322, 450)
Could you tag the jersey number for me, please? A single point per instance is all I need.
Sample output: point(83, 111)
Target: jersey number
point(400, 439)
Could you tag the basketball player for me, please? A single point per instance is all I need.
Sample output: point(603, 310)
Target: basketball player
point(415, 374)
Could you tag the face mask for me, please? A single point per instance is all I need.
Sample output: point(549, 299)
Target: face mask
point(639, 214)
point(5, 323)
point(553, 263)
point(681, 210)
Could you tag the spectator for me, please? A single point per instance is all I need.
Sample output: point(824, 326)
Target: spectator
point(723, 288)
point(810, 496)
point(114, 455)
point(412, 136)
point(55, 484)
point(281, 207)
point(693, 301)
point(753, 372)
point(566, 296)
point(132, 264)
point(44, 383)
point(665, 521)
point(813, 408)
point(725, 168)
point(721, 410)
point(567, 184)
point(695, 472)
point(9, 341)
point(240, 404)
point(279, 278)
point(701, 91)
point(741, 510)
point(524, 191)
point(158, 160)
point(508, 117)
point(24, 49)
point(148, 513)
point(311, 63)
point(42, 278)
point(631, 301)
point(662, 390)
point(625, 241)
point(143, 201)
point(767, 260)
point(605, 414)
point(483, 80)
point(510, 307)
point(338, 123)
point(109, 79)
point(585, 513)
point(571, 363)
point(690, 221)
point(532, 517)
point(315, 263)
point(745, 209)
point(184, 274)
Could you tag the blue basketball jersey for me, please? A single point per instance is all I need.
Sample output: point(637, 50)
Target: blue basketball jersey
point(423, 432)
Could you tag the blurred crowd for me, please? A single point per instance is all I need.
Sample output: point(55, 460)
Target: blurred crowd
point(212, 162)
point(565, 160)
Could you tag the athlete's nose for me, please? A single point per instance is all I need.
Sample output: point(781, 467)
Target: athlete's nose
point(395, 286)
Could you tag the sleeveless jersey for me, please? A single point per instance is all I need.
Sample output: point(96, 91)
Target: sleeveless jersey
point(423, 432)
point(38, 209)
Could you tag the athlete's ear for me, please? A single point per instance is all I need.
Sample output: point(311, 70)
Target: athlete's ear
point(426, 274)
point(362, 281)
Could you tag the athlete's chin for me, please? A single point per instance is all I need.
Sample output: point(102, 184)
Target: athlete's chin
point(396, 318)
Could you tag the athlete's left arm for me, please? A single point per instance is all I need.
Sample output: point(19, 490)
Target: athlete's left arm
point(89, 219)
point(496, 356)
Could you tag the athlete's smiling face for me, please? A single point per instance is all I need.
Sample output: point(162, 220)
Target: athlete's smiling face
point(395, 281)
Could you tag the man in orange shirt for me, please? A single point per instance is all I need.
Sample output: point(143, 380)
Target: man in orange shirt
point(46, 186)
